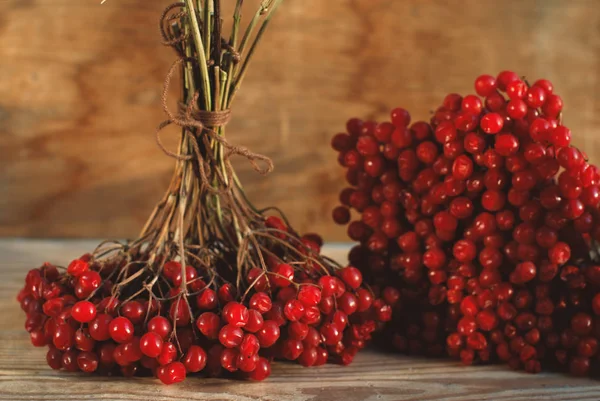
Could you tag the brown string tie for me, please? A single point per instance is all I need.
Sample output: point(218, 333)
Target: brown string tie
point(207, 118)
point(190, 117)
point(167, 38)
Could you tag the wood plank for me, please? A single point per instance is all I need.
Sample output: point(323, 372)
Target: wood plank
point(373, 376)
point(81, 83)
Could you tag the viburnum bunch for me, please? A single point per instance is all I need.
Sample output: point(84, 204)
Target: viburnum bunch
point(212, 285)
point(485, 219)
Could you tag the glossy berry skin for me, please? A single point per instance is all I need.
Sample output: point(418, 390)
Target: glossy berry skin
point(485, 85)
point(560, 253)
point(171, 373)
point(351, 276)
point(400, 117)
point(462, 167)
point(505, 78)
point(207, 299)
point(133, 311)
point(492, 123)
point(209, 324)
point(506, 144)
point(83, 311)
point(250, 346)
point(64, 337)
point(89, 281)
point(268, 334)
point(331, 334)
point(282, 275)
point(309, 295)
point(535, 97)
point(77, 267)
point(262, 370)
point(261, 302)
point(560, 136)
point(151, 344)
point(99, 327)
point(235, 314)
point(83, 340)
point(195, 359)
point(161, 326)
point(329, 285)
point(69, 361)
point(230, 336)
point(87, 361)
point(294, 310)
point(54, 358)
point(121, 329)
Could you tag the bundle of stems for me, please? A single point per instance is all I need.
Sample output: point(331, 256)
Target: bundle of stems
point(205, 219)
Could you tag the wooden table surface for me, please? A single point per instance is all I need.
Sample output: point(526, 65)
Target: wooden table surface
point(373, 375)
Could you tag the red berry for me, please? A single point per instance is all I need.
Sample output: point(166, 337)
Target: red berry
point(535, 97)
point(464, 251)
point(121, 330)
point(64, 337)
point(560, 136)
point(235, 314)
point(207, 299)
point(283, 275)
point(472, 104)
point(341, 215)
point(506, 144)
point(161, 326)
point(99, 327)
point(268, 334)
point(560, 253)
point(209, 324)
point(151, 344)
point(485, 85)
point(77, 267)
point(83, 311)
point(331, 334)
point(462, 167)
point(492, 123)
point(351, 276)
point(171, 373)
point(400, 117)
point(168, 354)
point(262, 370)
point(87, 361)
point(505, 78)
point(54, 358)
point(516, 89)
point(294, 310)
point(195, 359)
point(309, 295)
point(261, 302)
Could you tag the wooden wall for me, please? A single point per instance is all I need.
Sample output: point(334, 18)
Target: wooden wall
point(80, 84)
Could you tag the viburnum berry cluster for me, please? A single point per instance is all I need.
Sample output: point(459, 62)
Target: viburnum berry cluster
point(92, 322)
point(212, 285)
point(485, 219)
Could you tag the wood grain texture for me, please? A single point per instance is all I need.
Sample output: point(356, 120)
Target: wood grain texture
point(79, 96)
point(373, 376)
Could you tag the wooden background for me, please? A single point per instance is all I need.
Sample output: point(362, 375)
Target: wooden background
point(80, 84)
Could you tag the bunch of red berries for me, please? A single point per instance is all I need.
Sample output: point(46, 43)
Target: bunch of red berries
point(486, 221)
point(193, 320)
